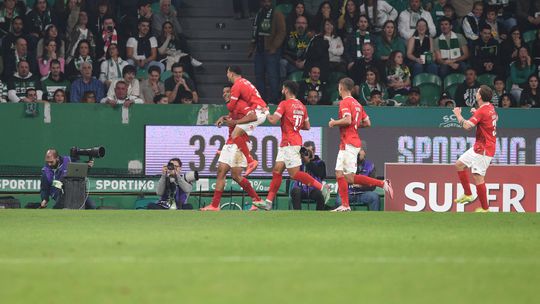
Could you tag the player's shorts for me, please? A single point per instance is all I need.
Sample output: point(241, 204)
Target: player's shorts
point(477, 162)
point(290, 155)
point(232, 156)
point(249, 127)
point(347, 159)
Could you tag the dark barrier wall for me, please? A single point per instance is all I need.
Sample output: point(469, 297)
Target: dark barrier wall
point(407, 134)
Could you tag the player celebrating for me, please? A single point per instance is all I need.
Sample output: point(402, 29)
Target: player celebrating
point(351, 117)
point(242, 89)
point(294, 117)
point(230, 157)
point(479, 156)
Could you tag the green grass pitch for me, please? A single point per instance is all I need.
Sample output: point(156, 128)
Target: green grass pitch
point(50, 256)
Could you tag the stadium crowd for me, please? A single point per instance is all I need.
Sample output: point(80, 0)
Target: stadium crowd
point(398, 52)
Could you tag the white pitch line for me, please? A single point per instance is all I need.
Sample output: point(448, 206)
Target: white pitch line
point(269, 259)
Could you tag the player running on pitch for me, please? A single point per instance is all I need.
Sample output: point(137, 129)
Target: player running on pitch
point(242, 89)
point(294, 117)
point(230, 157)
point(351, 117)
point(479, 156)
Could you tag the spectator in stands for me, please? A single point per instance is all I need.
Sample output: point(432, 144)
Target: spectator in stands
point(313, 98)
point(450, 13)
point(312, 83)
point(358, 70)
point(293, 50)
point(112, 67)
point(51, 33)
point(388, 42)
point(8, 11)
point(16, 31)
point(173, 48)
point(177, 85)
point(297, 11)
point(106, 38)
point(335, 47)
point(528, 13)
point(88, 97)
point(446, 102)
point(536, 49)
point(506, 101)
point(83, 53)
point(81, 32)
point(141, 50)
point(376, 99)
point(130, 22)
point(152, 86)
point(505, 13)
point(486, 53)
point(313, 165)
point(86, 83)
point(530, 97)
point(413, 97)
point(378, 13)
point(522, 68)
point(353, 44)
point(471, 22)
point(363, 195)
point(38, 18)
point(420, 50)
point(97, 20)
point(67, 14)
point(161, 99)
point(317, 55)
point(31, 95)
point(121, 95)
point(498, 91)
point(128, 76)
point(497, 29)
point(55, 81)
point(510, 48)
point(3, 92)
point(21, 52)
point(398, 75)
point(326, 11)
point(267, 40)
point(348, 20)
point(49, 53)
point(21, 81)
point(437, 10)
point(59, 96)
point(409, 17)
point(450, 49)
point(166, 13)
point(466, 92)
point(372, 83)
point(187, 98)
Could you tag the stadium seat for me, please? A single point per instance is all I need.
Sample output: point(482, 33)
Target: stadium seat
point(285, 8)
point(335, 77)
point(296, 76)
point(529, 36)
point(331, 93)
point(402, 99)
point(451, 82)
point(426, 78)
point(142, 74)
point(430, 94)
point(165, 75)
point(487, 79)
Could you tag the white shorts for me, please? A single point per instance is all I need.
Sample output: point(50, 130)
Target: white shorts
point(347, 159)
point(477, 162)
point(232, 156)
point(290, 155)
point(249, 127)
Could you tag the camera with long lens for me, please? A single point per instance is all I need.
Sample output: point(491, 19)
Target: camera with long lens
point(95, 152)
point(306, 153)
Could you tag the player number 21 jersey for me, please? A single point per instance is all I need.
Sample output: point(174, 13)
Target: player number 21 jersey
point(293, 115)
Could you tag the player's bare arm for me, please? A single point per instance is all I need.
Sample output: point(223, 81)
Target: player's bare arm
point(221, 120)
point(343, 122)
point(306, 126)
point(273, 118)
point(366, 123)
point(467, 125)
point(251, 116)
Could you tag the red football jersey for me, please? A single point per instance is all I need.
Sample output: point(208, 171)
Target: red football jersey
point(293, 114)
point(244, 90)
point(485, 119)
point(241, 109)
point(349, 134)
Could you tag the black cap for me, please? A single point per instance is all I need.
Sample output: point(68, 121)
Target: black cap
point(414, 90)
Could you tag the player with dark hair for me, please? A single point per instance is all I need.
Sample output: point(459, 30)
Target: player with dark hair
point(242, 89)
point(230, 157)
point(294, 117)
point(351, 117)
point(478, 157)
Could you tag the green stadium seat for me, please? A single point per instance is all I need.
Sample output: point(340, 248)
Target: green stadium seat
point(529, 36)
point(335, 77)
point(296, 76)
point(451, 82)
point(400, 98)
point(331, 93)
point(430, 93)
point(142, 74)
point(285, 8)
point(165, 75)
point(487, 79)
point(426, 78)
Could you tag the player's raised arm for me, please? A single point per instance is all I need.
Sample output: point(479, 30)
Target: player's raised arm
point(466, 124)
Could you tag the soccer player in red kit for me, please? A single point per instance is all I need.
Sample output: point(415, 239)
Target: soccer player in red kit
point(230, 157)
point(242, 89)
point(479, 156)
point(351, 117)
point(294, 117)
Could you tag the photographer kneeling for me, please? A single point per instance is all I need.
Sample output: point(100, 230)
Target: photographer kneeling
point(315, 167)
point(174, 187)
point(52, 179)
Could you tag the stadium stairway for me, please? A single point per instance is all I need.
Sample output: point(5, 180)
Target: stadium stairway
point(217, 40)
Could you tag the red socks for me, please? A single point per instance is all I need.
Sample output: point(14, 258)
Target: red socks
point(367, 181)
point(242, 145)
point(464, 179)
point(274, 186)
point(482, 195)
point(217, 198)
point(343, 190)
point(244, 183)
point(307, 179)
